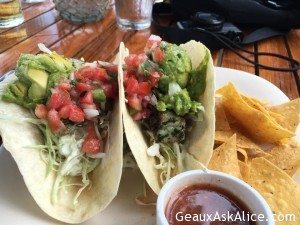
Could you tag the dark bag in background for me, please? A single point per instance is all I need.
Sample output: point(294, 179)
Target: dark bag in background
point(217, 23)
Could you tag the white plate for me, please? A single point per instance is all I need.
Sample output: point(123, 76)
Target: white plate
point(18, 208)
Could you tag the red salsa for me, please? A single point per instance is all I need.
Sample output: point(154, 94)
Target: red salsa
point(206, 205)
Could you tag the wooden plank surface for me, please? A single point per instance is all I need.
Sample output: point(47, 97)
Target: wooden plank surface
point(100, 41)
point(283, 80)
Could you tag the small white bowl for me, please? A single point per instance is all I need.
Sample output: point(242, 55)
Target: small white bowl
point(238, 188)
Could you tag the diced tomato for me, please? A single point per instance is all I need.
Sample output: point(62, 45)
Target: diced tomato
point(131, 86)
point(158, 55)
point(133, 60)
point(84, 73)
point(91, 146)
point(152, 42)
point(127, 75)
point(56, 125)
point(82, 87)
point(41, 111)
point(87, 98)
point(109, 90)
point(100, 74)
point(58, 99)
point(91, 73)
point(154, 78)
point(64, 112)
point(76, 114)
point(64, 86)
point(134, 102)
point(144, 89)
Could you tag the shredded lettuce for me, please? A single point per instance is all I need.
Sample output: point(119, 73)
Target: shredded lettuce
point(63, 155)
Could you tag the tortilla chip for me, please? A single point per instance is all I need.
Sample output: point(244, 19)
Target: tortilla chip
point(257, 105)
point(222, 123)
point(279, 190)
point(242, 155)
point(286, 156)
point(224, 158)
point(244, 169)
point(288, 114)
point(243, 142)
point(200, 140)
point(257, 123)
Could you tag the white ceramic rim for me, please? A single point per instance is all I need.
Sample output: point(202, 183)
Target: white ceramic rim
point(160, 210)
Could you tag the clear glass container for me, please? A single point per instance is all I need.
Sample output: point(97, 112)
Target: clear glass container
point(10, 13)
point(134, 14)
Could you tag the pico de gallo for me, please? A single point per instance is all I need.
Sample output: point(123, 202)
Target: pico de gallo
point(72, 106)
point(162, 93)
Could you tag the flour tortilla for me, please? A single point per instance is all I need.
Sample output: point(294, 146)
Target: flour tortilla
point(201, 138)
point(105, 178)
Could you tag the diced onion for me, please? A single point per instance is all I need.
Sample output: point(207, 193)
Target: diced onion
point(91, 113)
point(154, 38)
point(43, 48)
point(93, 64)
point(153, 100)
point(72, 76)
point(99, 155)
point(153, 150)
point(104, 64)
point(174, 88)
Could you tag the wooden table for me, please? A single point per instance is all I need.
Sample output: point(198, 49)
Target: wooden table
point(100, 41)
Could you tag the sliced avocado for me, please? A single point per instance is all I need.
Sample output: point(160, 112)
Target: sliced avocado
point(61, 62)
point(39, 77)
point(19, 89)
point(36, 92)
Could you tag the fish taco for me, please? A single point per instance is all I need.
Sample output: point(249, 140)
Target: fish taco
point(60, 119)
point(167, 101)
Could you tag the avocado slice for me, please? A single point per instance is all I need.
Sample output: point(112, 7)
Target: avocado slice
point(19, 89)
point(39, 77)
point(36, 92)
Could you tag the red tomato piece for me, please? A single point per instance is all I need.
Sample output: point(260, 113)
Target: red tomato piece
point(131, 85)
point(87, 98)
point(109, 90)
point(56, 125)
point(64, 86)
point(41, 111)
point(84, 73)
point(152, 42)
point(133, 60)
point(76, 114)
point(134, 102)
point(64, 112)
point(82, 87)
point(154, 78)
point(91, 146)
point(100, 74)
point(58, 99)
point(158, 55)
point(144, 89)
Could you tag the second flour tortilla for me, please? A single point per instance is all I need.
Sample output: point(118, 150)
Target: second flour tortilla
point(200, 140)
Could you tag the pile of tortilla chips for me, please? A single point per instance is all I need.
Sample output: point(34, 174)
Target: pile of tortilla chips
point(256, 143)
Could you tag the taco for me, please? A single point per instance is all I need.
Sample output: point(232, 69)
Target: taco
point(167, 101)
point(61, 121)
